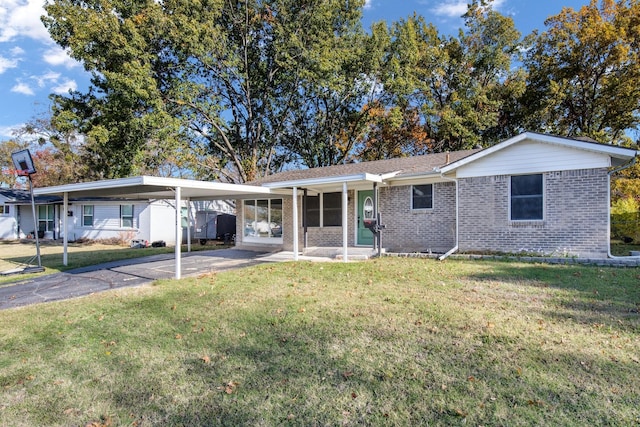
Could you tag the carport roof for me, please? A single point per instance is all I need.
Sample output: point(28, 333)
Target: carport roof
point(150, 187)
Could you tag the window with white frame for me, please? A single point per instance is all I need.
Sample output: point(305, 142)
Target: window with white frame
point(87, 215)
point(4, 210)
point(422, 196)
point(263, 220)
point(126, 216)
point(527, 197)
point(324, 210)
point(45, 218)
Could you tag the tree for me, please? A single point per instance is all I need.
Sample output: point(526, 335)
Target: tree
point(393, 132)
point(211, 85)
point(584, 72)
point(120, 43)
point(460, 85)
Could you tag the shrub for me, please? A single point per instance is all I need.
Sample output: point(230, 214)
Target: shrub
point(625, 219)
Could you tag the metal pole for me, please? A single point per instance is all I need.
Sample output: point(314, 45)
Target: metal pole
point(345, 232)
point(65, 229)
point(35, 221)
point(294, 208)
point(178, 224)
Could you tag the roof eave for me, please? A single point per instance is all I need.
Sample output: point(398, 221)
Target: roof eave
point(311, 182)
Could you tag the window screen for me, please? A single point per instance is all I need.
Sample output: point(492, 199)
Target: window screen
point(422, 196)
point(526, 197)
point(332, 209)
point(313, 211)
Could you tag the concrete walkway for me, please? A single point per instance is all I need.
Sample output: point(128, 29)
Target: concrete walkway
point(132, 272)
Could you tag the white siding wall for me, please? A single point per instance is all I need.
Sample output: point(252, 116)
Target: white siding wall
point(162, 223)
point(533, 157)
point(106, 222)
point(8, 227)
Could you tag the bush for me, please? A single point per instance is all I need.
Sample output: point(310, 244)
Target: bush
point(625, 219)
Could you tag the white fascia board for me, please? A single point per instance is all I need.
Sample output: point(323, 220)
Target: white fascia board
point(310, 182)
point(154, 181)
point(88, 186)
point(610, 150)
point(425, 176)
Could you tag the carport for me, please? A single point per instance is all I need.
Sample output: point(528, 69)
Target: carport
point(151, 188)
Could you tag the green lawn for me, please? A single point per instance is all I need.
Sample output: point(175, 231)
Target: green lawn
point(383, 342)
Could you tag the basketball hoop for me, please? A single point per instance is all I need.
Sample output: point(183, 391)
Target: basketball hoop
point(23, 163)
point(23, 166)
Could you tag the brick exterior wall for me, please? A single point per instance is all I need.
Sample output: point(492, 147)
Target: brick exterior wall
point(430, 230)
point(575, 216)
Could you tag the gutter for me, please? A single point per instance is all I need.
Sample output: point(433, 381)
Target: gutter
point(455, 248)
point(618, 169)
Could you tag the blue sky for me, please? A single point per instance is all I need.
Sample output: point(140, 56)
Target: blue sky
point(32, 66)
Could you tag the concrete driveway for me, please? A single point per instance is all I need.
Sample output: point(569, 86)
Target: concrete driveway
point(119, 274)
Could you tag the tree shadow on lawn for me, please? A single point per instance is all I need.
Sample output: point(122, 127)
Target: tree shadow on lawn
point(585, 294)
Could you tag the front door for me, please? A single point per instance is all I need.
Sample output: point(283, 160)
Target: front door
point(365, 211)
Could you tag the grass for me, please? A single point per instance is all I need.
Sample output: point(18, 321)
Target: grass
point(14, 254)
point(383, 342)
point(619, 248)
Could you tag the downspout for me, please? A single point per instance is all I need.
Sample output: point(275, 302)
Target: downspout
point(455, 248)
point(623, 167)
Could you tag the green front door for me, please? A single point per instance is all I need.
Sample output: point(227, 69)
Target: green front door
point(365, 211)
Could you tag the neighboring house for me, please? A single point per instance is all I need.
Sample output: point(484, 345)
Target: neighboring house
point(16, 214)
point(531, 193)
point(95, 218)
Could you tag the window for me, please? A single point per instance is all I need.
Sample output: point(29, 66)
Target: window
point(45, 218)
point(324, 210)
point(126, 216)
point(422, 196)
point(526, 197)
point(4, 210)
point(263, 220)
point(332, 209)
point(313, 211)
point(87, 215)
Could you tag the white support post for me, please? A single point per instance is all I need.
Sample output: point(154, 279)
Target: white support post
point(178, 248)
point(295, 223)
point(65, 229)
point(188, 224)
point(345, 236)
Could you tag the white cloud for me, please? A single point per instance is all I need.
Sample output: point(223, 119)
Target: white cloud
point(457, 8)
point(17, 51)
point(6, 63)
point(48, 77)
point(57, 56)
point(22, 18)
point(451, 9)
point(8, 131)
point(64, 87)
point(22, 88)
point(368, 4)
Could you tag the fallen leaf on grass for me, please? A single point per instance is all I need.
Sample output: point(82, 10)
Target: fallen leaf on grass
point(206, 359)
point(347, 374)
point(229, 387)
